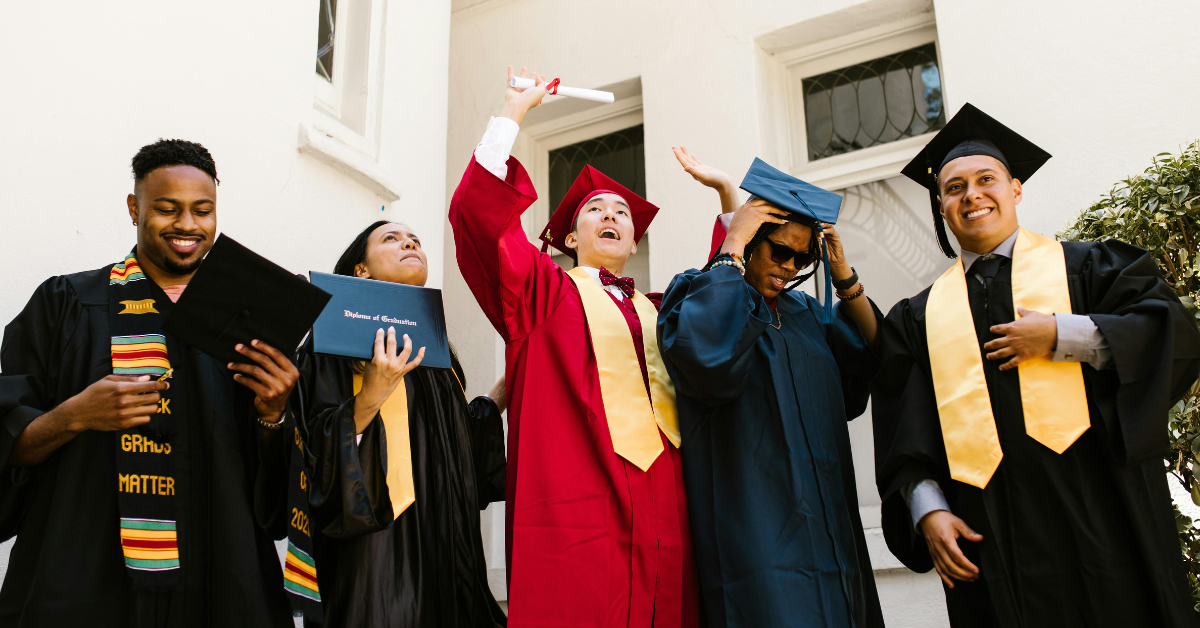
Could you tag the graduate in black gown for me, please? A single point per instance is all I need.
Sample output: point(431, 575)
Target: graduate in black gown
point(423, 566)
point(766, 381)
point(1023, 459)
point(135, 503)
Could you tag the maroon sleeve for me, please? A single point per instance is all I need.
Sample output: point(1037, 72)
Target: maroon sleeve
point(516, 285)
point(656, 299)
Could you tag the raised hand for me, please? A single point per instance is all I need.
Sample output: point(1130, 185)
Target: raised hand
point(517, 102)
point(942, 530)
point(382, 375)
point(271, 377)
point(1033, 335)
point(708, 176)
point(839, 268)
point(746, 221)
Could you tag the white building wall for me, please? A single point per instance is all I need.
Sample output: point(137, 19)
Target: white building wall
point(1102, 85)
point(84, 85)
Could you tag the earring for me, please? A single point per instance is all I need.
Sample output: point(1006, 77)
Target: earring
point(135, 223)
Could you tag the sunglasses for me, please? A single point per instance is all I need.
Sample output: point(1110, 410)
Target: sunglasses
point(780, 254)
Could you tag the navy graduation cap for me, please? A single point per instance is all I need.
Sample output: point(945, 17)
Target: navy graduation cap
point(805, 203)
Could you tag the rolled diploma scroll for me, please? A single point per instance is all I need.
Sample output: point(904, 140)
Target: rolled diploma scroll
point(570, 92)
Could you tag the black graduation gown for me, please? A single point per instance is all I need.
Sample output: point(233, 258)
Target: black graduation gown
point(66, 567)
point(1086, 538)
point(426, 569)
point(766, 452)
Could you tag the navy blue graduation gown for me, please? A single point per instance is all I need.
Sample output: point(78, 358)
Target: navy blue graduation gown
point(766, 452)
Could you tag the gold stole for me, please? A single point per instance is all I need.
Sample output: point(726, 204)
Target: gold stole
point(399, 473)
point(632, 416)
point(1052, 393)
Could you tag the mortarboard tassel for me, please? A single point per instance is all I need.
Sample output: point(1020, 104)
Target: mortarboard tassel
point(939, 224)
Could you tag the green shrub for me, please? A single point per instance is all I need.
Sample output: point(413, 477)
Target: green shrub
point(1159, 211)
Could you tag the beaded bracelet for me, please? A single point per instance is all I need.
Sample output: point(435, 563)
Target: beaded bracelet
point(732, 263)
point(857, 293)
point(727, 259)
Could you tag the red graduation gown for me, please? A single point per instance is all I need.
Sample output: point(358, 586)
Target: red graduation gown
point(591, 540)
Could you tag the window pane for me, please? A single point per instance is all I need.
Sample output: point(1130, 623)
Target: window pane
point(872, 103)
point(325, 34)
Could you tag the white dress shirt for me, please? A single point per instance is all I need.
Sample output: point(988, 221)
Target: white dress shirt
point(1079, 340)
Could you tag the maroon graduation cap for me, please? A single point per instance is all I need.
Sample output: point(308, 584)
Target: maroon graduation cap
point(588, 184)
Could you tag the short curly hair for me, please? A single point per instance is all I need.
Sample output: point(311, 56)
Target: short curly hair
point(165, 153)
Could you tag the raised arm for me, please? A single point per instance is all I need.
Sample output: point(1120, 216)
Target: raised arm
point(516, 285)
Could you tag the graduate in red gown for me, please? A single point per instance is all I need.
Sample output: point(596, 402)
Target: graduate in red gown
point(597, 529)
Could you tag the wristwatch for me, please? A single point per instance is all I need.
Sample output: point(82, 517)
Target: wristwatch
point(847, 283)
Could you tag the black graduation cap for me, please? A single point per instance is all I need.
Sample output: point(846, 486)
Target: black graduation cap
point(971, 132)
point(237, 296)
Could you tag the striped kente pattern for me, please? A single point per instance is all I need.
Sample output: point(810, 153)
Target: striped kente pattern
point(144, 354)
point(300, 574)
point(149, 544)
point(125, 272)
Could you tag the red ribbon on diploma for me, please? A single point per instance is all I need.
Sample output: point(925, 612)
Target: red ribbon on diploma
point(552, 87)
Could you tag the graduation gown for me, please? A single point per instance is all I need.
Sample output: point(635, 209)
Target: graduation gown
point(766, 452)
point(66, 567)
point(591, 539)
point(1085, 538)
point(427, 568)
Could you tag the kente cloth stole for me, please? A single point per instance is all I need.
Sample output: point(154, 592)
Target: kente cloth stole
point(398, 468)
point(633, 418)
point(1053, 397)
point(147, 478)
point(299, 567)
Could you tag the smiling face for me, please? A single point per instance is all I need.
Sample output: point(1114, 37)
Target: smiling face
point(394, 254)
point(763, 273)
point(175, 209)
point(604, 233)
point(979, 201)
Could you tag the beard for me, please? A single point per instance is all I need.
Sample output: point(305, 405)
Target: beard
point(184, 268)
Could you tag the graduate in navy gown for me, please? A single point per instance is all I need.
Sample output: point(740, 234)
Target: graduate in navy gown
point(766, 381)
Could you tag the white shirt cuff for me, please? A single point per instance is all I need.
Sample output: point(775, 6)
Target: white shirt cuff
point(1079, 340)
point(923, 498)
point(495, 148)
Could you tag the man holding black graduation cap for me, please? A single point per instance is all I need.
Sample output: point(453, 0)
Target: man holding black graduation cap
point(1020, 415)
point(767, 381)
point(143, 486)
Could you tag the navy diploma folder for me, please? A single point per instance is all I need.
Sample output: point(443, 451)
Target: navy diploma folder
point(360, 307)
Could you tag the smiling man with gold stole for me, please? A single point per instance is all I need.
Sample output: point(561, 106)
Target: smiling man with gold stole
point(597, 528)
point(1021, 411)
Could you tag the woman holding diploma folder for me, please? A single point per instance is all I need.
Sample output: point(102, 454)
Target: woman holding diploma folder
point(398, 466)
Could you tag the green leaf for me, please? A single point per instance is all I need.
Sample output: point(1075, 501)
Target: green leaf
point(1163, 191)
point(1196, 493)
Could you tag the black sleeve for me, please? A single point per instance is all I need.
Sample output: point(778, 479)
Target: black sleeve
point(347, 487)
point(1155, 347)
point(908, 435)
point(486, 430)
point(30, 368)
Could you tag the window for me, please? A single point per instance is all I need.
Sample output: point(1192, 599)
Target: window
point(347, 92)
point(871, 103)
point(325, 38)
point(621, 156)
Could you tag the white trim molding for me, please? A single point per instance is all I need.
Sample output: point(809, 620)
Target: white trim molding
point(346, 160)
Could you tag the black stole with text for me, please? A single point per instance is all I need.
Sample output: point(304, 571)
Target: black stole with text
point(300, 568)
point(147, 478)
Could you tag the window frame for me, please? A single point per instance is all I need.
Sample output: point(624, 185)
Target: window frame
point(788, 68)
point(344, 128)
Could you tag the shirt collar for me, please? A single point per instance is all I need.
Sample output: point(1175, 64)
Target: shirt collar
point(1005, 249)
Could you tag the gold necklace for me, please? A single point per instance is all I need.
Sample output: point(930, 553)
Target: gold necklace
point(779, 316)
